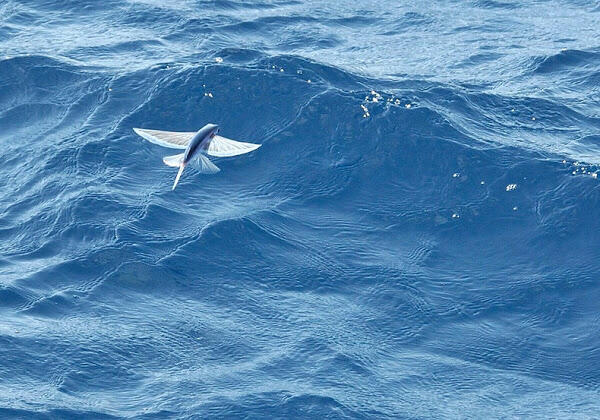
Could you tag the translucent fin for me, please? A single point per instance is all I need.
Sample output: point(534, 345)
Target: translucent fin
point(181, 168)
point(224, 147)
point(174, 160)
point(204, 165)
point(172, 139)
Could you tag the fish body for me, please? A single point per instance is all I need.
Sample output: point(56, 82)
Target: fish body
point(200, 141)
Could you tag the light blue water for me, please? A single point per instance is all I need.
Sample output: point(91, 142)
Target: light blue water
point(416, 238)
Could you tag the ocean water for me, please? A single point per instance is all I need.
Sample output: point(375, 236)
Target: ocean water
point(418, 236)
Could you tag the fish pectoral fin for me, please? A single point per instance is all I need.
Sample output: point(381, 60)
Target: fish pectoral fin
point(224, 147)
point(172, 139)
point(204, 165)
point(174, 160)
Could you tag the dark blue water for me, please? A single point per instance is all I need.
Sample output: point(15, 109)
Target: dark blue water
point(418, 237)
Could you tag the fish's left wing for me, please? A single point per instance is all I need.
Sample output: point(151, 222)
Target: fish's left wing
point(172, 139)
point(224, 147)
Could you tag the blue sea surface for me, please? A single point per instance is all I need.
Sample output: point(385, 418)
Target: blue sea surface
point(418, 237)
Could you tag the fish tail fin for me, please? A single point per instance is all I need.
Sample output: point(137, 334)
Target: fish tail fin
point(181, 168)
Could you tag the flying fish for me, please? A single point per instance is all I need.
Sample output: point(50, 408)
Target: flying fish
point(197, 146)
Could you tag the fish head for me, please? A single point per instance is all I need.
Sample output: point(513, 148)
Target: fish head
point(214, 129)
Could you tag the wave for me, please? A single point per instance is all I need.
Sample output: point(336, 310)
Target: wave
point(406, 245)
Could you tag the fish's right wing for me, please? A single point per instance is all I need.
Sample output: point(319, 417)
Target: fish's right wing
point(223, 147)
point(172, 139)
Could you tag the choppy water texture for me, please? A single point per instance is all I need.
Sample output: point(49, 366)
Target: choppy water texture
point(418, 237)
